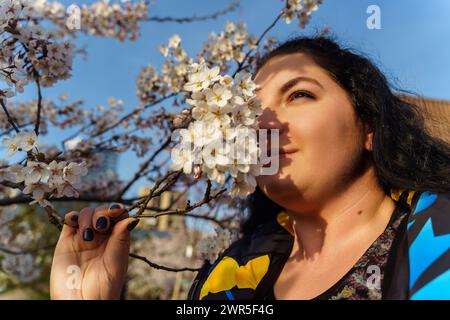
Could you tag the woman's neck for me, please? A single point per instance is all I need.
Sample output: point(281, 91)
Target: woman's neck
point(360, 208)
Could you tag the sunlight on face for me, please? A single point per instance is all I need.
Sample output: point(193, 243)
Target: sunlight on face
point(320, 134)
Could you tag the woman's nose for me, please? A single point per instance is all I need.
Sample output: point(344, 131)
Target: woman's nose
point(273, 126)
point(269, 120)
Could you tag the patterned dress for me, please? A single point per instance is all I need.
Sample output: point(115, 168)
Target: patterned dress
point(409, 260)
point(365, 280)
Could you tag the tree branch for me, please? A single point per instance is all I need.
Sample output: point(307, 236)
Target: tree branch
point(220, 223)
point(154, 192)
point(54, 218)
point(39, 104)
point(132, 113)
point(7, 132)
point(231, 7)
point(144, 166)
point(8, 116)
point(157, 266)
point(239, 68)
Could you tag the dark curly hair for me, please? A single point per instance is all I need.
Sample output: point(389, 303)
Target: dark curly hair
point(405, 155)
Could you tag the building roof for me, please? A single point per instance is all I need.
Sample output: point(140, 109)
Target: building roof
point(437, 114)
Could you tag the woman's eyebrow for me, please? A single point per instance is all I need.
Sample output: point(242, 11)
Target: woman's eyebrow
point(293, 82)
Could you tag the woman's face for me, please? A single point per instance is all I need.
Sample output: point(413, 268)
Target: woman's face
point(317, 125)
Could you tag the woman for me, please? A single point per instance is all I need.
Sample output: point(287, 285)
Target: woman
point(358, 209)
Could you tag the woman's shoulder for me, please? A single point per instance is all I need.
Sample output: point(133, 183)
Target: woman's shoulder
point(245, 265)
point(424, 262)
point(432, 209)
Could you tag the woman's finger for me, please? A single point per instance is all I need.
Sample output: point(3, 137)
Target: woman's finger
point(70, 224)
point(86, 230)
point(100, 219)
point(116, 213)
point(71, 219)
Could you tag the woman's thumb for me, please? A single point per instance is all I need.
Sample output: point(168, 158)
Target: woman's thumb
point(119, 242)
point(121, 231)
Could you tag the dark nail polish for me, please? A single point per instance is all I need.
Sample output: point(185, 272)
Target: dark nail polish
point(115, 206)
point(102, 222)
point(88, 234)
point(132, 224)
point(74, 218)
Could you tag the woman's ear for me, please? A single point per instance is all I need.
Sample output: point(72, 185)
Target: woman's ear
point(368, 138)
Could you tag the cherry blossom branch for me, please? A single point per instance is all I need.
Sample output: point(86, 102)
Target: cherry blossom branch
point(155, 192)
point(22, 200)
point(117, 123)
point(188, 207)
point(39, 104)
point(159, 267)
point(8, 116)
point(239, 67)
point(27, 199)
point(54, 217)
point(132, 113)
point(7, 132)
point(220, 223)
point(143, 166)
point(206, 198)
point(231, 7)
point(74, 135)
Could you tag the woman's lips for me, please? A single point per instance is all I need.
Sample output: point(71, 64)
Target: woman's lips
point(286, 152)
point(282, 152)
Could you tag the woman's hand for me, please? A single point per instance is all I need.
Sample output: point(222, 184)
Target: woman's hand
point(91, 256)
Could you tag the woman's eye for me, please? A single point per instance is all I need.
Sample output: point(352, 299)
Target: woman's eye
point(300, 94)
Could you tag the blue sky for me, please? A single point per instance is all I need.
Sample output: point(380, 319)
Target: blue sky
point(411, 47)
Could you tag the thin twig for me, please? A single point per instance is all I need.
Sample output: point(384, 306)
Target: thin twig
point(132, 113)
point(231, 7)
point(155, 192)
point(83, 198)
point(39, 105)
point(191, 215)
point(8, 116)
point(54, 217)
point(143, 166)
point(7, 132)
point(239, 68)
point(157, 266)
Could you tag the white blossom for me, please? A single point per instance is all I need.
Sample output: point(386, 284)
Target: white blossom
point(27, 140)
point(56, 175)
point(36, 172)
point(218, 95)
point(243, 185)
point(65, 189)
point(23, 141)
point(300, 9)
point(174, 41)
point(223, 109)
point(211, 246)
point(12, 144)
point(21, 266)
point(38, 192)
point(73, 172)
point(245, 84)
point(198, 80)
point(57, 179)
point(182, 158)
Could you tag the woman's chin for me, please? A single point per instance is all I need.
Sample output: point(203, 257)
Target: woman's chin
point(274, 187)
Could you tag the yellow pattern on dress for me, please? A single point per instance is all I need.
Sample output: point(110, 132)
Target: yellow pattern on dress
point(227, 274)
